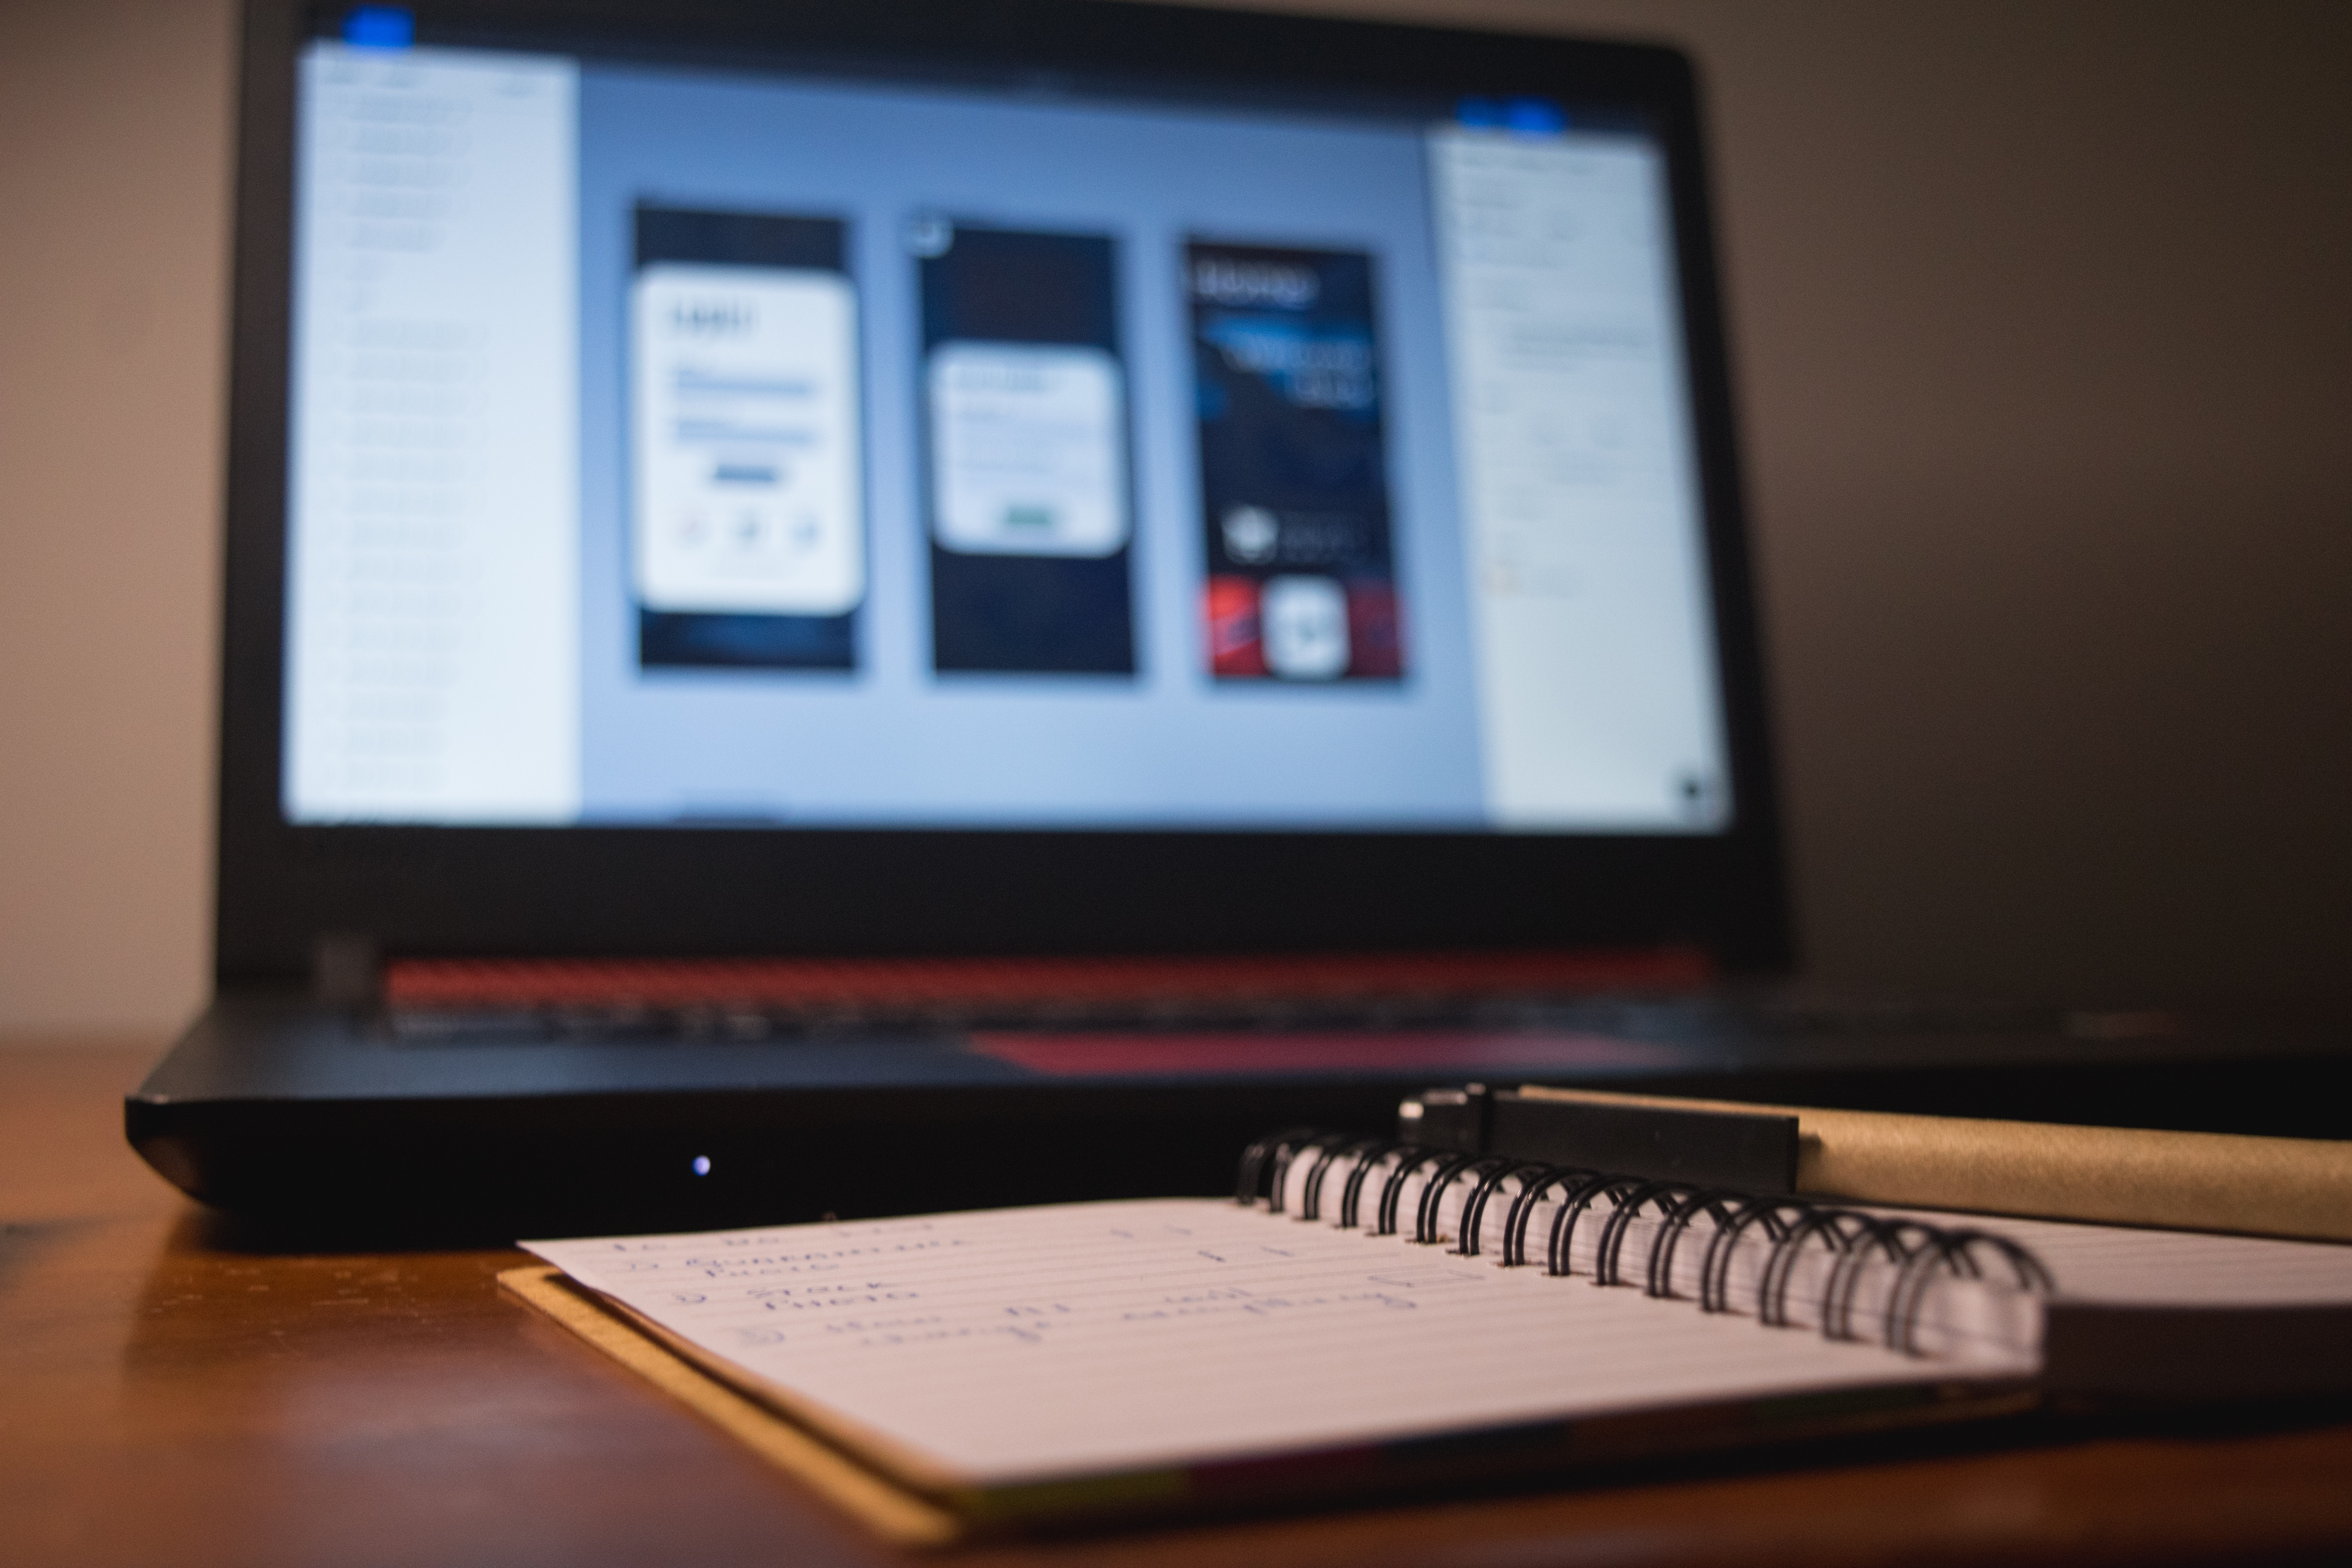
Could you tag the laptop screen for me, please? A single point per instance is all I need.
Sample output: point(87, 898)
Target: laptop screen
point(821, 447)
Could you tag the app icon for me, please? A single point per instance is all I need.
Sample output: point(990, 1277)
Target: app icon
point(1304, 622)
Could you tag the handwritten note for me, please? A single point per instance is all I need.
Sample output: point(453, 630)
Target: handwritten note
point(1081, 1339)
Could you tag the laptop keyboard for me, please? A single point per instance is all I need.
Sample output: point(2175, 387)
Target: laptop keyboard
point(1644, 997)
point(768, 999)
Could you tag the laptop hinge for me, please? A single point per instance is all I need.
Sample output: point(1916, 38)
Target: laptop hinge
point(346, 970)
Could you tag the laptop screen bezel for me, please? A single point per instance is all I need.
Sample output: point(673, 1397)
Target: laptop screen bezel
point(441, 890)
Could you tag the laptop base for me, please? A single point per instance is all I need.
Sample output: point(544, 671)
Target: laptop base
point(277, 1109)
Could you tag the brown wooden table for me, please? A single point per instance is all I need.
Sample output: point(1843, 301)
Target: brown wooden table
point(169, 1399)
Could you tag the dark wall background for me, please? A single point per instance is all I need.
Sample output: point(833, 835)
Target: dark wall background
point(2047, 371)
point(2045, 315)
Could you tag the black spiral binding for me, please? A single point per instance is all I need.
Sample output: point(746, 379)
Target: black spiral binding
point(1918, 1251)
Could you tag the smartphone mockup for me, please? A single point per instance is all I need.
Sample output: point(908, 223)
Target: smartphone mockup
point(748, 528)
point(1301, 579)
point(1025, 427)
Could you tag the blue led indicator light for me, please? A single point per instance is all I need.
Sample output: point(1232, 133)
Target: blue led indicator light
point(378, 28)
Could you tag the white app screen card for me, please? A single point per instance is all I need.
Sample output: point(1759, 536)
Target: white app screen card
point(1028, 449)
point(745, 440)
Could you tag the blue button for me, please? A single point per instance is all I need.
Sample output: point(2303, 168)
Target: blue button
point(1536, 117)
point(378, 28)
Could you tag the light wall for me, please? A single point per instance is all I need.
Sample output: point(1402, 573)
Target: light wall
point(2045, 328)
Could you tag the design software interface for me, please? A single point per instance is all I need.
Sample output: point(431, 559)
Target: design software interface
point(674, 446)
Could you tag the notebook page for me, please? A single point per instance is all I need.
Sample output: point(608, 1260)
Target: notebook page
point(1021, 1344)
point(2125, 1265)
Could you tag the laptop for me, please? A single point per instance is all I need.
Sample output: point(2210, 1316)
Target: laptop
point(878, 604)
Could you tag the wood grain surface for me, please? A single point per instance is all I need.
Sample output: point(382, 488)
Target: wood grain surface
point(169, 1395)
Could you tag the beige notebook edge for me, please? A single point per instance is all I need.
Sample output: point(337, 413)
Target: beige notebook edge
point(898, 1516)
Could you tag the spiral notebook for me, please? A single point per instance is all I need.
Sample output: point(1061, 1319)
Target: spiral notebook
point(1371, 1317)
